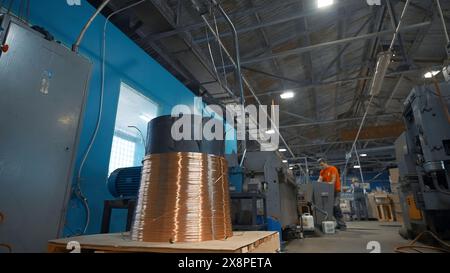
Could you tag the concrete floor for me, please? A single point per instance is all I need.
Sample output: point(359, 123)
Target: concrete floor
point(353, 240)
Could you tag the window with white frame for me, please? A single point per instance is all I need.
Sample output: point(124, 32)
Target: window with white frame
point(134, 111)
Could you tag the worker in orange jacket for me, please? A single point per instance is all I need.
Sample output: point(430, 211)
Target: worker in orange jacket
point(330, 174)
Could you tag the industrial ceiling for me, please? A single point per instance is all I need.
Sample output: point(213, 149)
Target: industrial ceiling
point(327, 56)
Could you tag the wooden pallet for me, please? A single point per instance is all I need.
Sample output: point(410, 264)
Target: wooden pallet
point(241, 242)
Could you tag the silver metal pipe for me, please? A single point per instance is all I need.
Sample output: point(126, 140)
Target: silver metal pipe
point(238, 76)
point(238, 55)
point(76, 45)
point(243, 158)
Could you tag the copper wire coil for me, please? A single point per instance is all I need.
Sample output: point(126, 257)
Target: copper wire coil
point(183, 197)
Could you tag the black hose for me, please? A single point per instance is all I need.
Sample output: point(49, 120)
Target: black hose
point(437, 186)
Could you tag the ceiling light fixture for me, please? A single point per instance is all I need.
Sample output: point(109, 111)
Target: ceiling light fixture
point(324, 3)
point(431, 74)
point(270, 132)
point(287, 95)
point(363, 155)
point(356, 167)
point(282, 150)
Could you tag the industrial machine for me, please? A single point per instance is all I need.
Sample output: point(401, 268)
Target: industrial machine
point(265, 176)
point(42, 99)
point(423, 155)
point(320, 196)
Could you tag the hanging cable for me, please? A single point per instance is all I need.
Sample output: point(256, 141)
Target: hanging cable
point(245, 81)
point(359, 164)
point(221, 52)
point(382, 65)
point(140, 134)
point(212, 59)
point(78, 191)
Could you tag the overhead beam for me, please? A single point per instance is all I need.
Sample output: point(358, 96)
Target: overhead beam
point(297, 116)
point(344, 48)
point(333, 121)
point(199, 25)
point(327, 83)
point(302, 50)
point(271, 75)
point(338, 142)
point(282, 20)
point(390, 130)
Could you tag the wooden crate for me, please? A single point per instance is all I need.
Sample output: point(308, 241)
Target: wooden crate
point(385, 213)
point(372, 206)
point(241, 242)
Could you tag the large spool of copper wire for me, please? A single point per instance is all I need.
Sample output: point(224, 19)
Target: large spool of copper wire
point(183, 197)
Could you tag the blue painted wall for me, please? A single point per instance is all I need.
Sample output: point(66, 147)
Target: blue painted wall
point(125, 62)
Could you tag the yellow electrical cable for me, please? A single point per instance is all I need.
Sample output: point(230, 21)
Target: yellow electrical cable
point(415, 247)
point(9, 247)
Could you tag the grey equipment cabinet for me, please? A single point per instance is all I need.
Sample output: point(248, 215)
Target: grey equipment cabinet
point(43, 88)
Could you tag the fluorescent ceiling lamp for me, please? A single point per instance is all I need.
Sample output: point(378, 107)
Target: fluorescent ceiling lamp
point(291, 168)
point(270, 132)
point(356, 167)
point(384, 59)
point(363, 155)
point(285, 161)
point(145, 118)
point(282, 150)
point(287, 95)
point(324, 3)
point(431, 74)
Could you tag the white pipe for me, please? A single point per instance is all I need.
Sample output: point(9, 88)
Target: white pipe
point(76, 45)
point(79, 190)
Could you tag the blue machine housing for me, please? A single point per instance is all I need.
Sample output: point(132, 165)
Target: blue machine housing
point(236, 177)
point(124, 183)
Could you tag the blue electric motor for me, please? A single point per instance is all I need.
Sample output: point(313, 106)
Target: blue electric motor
point(124, 183)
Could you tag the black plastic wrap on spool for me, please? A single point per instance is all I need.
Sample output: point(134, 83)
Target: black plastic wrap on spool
point(160, 141)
